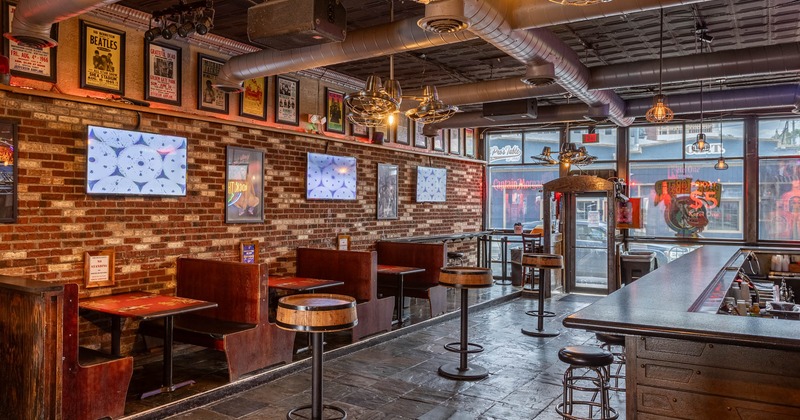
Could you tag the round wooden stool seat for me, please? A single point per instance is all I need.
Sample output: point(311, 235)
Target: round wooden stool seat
point(468, 277)
point(317, 312)
point(612, 339)
point(455, 254)
point(546, 261)
point(585, 356)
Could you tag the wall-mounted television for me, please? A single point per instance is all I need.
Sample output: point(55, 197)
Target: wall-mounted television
point(431, 184)
point(330, 177)
point(122, 162)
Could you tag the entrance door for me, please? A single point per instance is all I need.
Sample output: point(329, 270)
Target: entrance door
point(589, 243)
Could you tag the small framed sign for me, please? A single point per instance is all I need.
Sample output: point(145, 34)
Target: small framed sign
point(162, 73)
point(248, 251)
point(98, 268)
point(208, 98)
point(286, 100)
point(26, 61)
point(253, 100)
point(469, 142)
point(343, 242)
point(102, 58)
point(334, 111)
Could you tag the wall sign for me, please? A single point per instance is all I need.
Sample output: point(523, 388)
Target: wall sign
point(25, 61)
point(686, 203)
point(102, 58)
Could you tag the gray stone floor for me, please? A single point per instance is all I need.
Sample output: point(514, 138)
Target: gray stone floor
point(397, 379)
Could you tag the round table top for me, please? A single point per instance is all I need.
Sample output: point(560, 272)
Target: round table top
point(316, 312)
point(553, 261)
point(468, 277)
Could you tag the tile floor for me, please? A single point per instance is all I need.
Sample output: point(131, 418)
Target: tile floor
point(395, 377)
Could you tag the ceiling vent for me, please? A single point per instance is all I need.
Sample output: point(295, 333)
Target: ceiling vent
point(510, 110)
point(288, 24)
point(444, 17)
point(540, 75)
point(598, 114)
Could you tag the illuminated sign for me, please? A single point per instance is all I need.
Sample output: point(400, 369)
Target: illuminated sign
point(510, 154)
point(516, 184)
point(686, 203)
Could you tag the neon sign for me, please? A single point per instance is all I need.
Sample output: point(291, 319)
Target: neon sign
point(515, 184)
point(687, 203)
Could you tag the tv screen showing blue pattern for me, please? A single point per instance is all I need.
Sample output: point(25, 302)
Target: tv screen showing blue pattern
point(122, 162)
point(330, 177)
point(431, 184)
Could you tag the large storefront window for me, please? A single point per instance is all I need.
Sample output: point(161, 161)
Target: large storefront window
point(710, 204)
point(779, 179)
point(606, 147)
point(514, 195)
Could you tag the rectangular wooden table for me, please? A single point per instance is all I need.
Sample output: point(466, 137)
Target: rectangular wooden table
point(301, 284)
point(146, 306)
point(398, 272)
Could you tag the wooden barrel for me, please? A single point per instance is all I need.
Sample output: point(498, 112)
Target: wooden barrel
point(317, 312)
point(547, 261)
point(465, 277)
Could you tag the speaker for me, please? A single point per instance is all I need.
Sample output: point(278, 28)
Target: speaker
point(287, 24)
point(510, 110)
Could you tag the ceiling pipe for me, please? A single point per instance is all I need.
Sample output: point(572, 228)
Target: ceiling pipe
point(488, 22)
point(762, 97)
point(544, 115)
point(770, 59)
point(392, 38)
point(487, 91)
point(33, 19)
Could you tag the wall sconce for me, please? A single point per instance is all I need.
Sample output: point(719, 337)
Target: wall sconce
point(182, 19)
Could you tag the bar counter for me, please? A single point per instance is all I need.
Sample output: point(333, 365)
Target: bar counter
point(685, 364)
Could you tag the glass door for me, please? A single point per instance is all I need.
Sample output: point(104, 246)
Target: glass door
point(590, 244)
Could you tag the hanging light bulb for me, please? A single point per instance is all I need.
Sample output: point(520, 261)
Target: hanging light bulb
point(721, 165)
point(660, 112)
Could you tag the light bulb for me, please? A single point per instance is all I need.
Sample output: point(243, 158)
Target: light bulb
point(390, 119)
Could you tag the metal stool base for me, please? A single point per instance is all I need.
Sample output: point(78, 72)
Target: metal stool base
point(560, 410)
point(503, 282)
point(292, 412)
point(546, 314)
point(453, 371)
point(540, 333)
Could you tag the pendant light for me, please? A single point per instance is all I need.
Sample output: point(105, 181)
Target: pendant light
point(660, 112)
point(721, 165)
point(700, 144)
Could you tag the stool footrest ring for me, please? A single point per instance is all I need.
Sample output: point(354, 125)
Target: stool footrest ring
point(455, 347)
point(292, 416)
point(560, 410)
point(545, 314)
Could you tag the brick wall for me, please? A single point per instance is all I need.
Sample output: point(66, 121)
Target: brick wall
point(58, 222)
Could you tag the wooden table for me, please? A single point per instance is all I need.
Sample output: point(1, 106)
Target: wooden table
point(398, 272)
point(146, 306)
point(301, 284)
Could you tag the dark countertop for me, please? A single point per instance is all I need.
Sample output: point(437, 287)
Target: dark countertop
point(658, 305)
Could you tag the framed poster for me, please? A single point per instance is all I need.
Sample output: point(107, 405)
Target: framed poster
point(331, 177)
point(343, 242)
point(8, 172)
point(402, 132)
point(419, 138)
point(248, 252)
point(431, 184)
point(286, 101)
point(244, 185)
point(102, 58)
point(253, 99)
point(162, 73)
point(334, 111)
point(469, 142)
point(438, 141)
point(208, 98)
point(25, 61)
point(455, 141)
point(359, 131)
point(387, 191)
point(98, 268)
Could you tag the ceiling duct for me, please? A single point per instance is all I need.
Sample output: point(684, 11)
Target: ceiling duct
point(545, 115)
point(34, 19)
point(489, 91)
point(510, 110)
point(540, 75)
point(286, 24)
point(444, 17)
point(762, 97)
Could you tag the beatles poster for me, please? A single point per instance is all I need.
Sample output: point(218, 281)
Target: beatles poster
point(162, 73)
point(208, 98)
point(102, 58)
point(26, 61)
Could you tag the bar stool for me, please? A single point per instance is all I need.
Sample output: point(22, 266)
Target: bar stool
point(592, 364)
point(541, 262)
point(316, 314)
point(464, 278)
point(455, 258)
point(614, 344)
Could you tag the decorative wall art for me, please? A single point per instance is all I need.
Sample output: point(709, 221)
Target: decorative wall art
point(387, 191)
point(244, 185)
point(8, 172)
point(162, 73)
point(469, 142)
point(102, 58)
point(455, 141)
point(25, 61)
point(431, 184)
point(253, 99)
point(122, 162)
point(286, 100)
point(419, 139)
point(208, 98)
point(403, 131)
point(438, 141)
point(330, 177)
point(359, 131)
point(334, 111)
point(248, 252)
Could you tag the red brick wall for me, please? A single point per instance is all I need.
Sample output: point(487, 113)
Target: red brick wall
point(58, 222)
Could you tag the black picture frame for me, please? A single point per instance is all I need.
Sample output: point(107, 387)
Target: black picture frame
point(387, 192)
point(403, 131)
point(162, 73)
point(469, 142)
point(253, 99)
point(455, 141)
point(438, 141)
point(359, 131)
point(244, 185)
point(419, 138)
point(106, 72)
point(29, 62)
point(9, 170)
point(208, 98)
point(334, 111)
point(287, 100)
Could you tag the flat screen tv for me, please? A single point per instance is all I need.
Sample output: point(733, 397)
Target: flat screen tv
point(431, 184)
point(122, 162)
point(330, 177)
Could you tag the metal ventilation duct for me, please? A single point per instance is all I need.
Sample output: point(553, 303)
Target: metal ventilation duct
point(488, 91)
point(33, 19)
point(444, 17)
point(540, 75)
point(764, 97)
point(545, 114)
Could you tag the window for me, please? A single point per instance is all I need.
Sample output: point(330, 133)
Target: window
point(514, 195)
point(606, 147)
point(535, 141)
point(779, 179)
point(504, 148)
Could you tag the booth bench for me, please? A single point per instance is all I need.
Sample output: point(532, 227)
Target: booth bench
point(425, 285)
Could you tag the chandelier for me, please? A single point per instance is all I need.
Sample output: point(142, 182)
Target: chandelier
point(374, 103)
point(569, 154)
point(660, 112)
point(430, 109)
point(182, 19)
